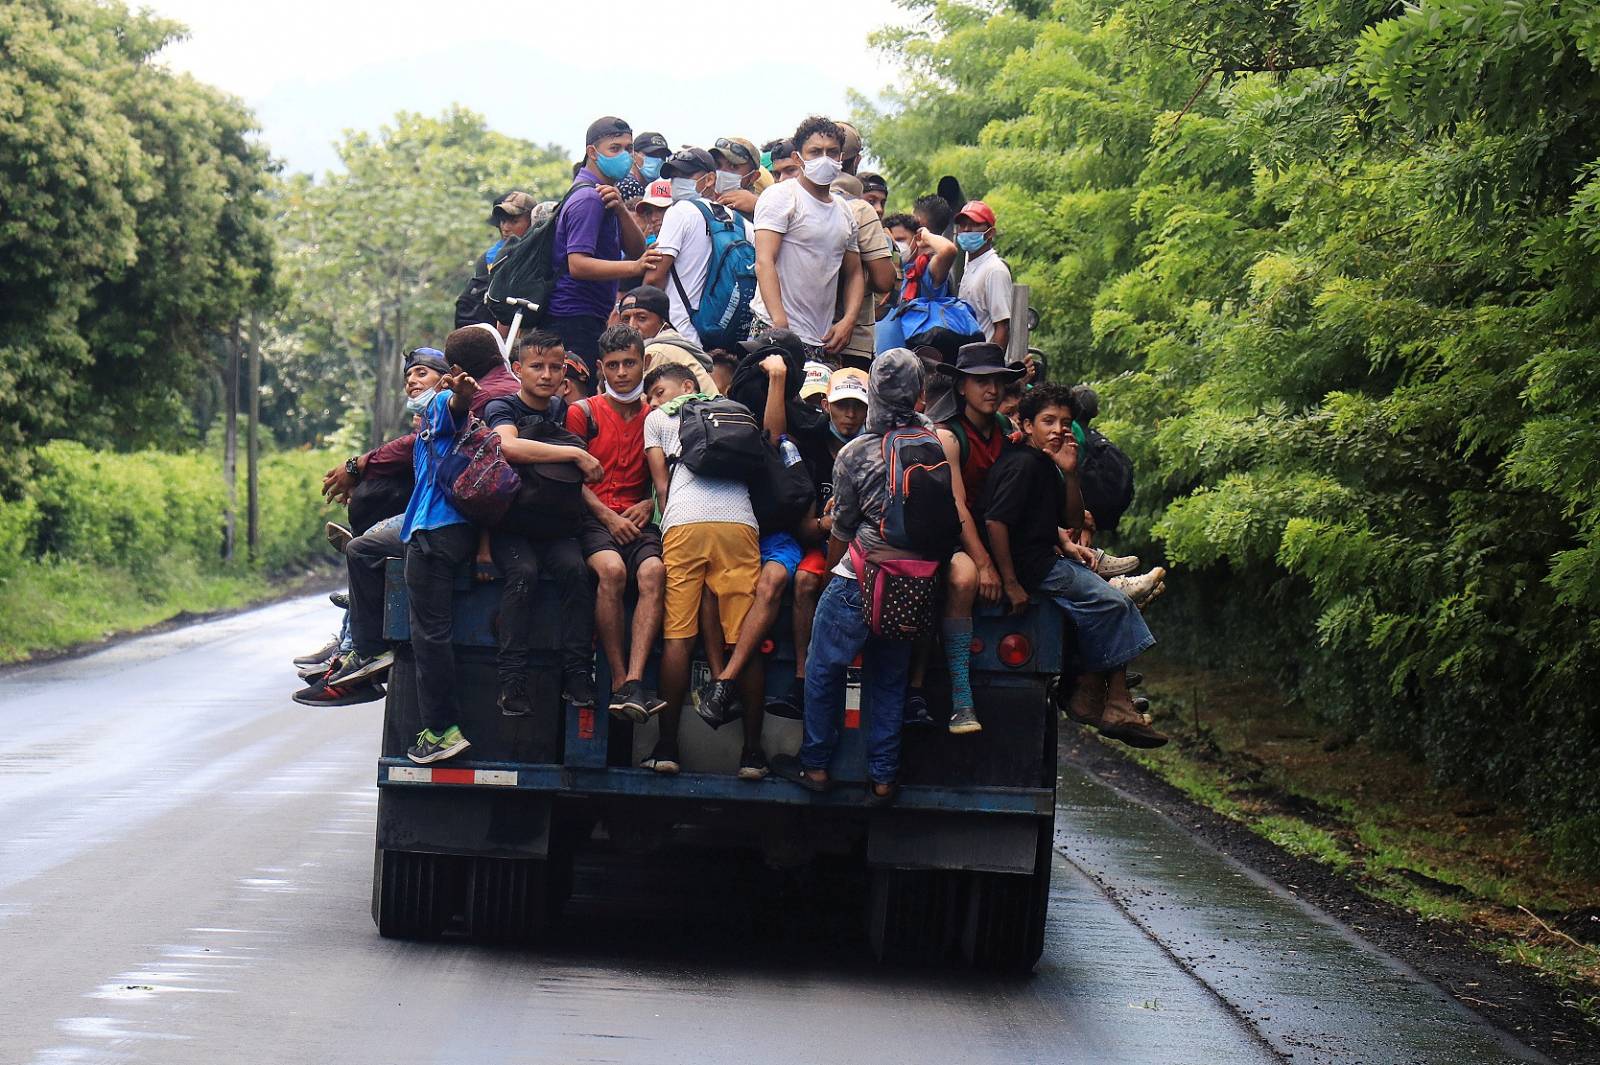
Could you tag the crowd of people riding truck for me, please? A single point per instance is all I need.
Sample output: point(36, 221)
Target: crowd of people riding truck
point(714, 383)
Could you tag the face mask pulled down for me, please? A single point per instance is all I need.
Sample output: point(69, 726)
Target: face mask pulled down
point(418, 403)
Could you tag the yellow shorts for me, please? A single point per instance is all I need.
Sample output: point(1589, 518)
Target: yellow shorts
point(723, 556)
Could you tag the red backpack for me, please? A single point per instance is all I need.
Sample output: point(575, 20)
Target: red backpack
point(475, 477)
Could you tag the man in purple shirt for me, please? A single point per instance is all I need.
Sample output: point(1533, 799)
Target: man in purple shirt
point(597, 243)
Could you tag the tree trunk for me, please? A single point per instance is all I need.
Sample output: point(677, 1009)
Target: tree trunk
point(253, 442)
point(230, 443)
point(379, 385)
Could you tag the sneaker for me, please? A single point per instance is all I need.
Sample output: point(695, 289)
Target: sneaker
point(718, 703)
point(338, 535)
point(790, 703)
point(321, 655)
point(1109, 566)
point(340, 599)
point(1153, 596)
point(320, 669)
point(577, 688)
point(354, 667)
point(435, 748)
point(339, 694)
point(964, 721)
point(664, 759)
point(653, 703)
point(753, 765)
point(916, 711)
point(514, 701)
point(627, 702)
point(1140, 589)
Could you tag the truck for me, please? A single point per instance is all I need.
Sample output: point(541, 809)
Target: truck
point(483, 845)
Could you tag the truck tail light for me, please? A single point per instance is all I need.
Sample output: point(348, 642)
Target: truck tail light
point(1015, 650)
point(977, 645)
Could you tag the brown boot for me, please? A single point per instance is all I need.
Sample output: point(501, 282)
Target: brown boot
point(1122, 720)
point(1088, 701)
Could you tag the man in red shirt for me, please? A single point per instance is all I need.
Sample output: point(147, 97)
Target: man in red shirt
point(618, 539)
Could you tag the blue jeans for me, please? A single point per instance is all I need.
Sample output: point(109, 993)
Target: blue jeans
point(838, 634)
point(1111, 631)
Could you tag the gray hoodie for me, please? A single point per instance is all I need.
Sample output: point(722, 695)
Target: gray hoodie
point(860, 476)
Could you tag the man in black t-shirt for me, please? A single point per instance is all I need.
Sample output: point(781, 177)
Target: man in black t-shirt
point(1030, 497)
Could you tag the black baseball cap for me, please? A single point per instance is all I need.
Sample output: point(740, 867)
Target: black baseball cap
point(647, 298)
point(870, 181)
point(608, 126)
point(687, 162)
point(651, 144)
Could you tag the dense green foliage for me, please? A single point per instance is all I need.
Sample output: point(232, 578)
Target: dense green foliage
point(131, 229)
point(101, 540)
point(1333, 266)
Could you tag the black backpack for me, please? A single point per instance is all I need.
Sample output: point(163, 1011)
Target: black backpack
point(720, 438)
point(469, 305)
point(783, 494)
point(920, 513)
point(526, 269)
point(1105, 476)
point(549, 504)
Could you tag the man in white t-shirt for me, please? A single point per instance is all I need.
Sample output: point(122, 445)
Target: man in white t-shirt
point(684, 243)
point(986, 284)
point(808, 251)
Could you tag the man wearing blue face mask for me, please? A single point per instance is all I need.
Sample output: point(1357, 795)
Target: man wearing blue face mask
point(649, 152)
point(597, 242)
point(986, 284)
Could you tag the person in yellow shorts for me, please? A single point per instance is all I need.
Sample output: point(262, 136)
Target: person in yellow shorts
point(709, 541)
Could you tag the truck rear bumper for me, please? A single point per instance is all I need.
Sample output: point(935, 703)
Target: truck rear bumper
point(617, 782)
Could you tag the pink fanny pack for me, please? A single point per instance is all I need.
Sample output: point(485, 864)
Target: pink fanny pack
point(899, 594)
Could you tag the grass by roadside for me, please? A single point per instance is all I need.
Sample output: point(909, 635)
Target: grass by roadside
point(1373, 817)
point(52, 605)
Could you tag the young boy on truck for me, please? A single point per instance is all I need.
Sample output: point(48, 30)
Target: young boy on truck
point(620, 539)
point(709, 540)
point(540, 366)
point(1031, 497)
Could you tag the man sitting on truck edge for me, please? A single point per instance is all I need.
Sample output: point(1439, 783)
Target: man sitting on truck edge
point(860, 496)
point(540, 364)
point(619, 538)
point(709, 540)
point(1031, 497)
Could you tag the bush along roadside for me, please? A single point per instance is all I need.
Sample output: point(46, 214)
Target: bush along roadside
point(1370, 815)
point(103, 542)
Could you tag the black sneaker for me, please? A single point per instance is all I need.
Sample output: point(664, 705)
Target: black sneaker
point(790, 703)
point(627, 702)
point(514, 700)
point(915, 714)
point(577, 688)
point(753, 765)
point(436, 748)
point(653, 703)
point(340, 599)
point(339, 694)
point(718, 703)
point(354, 667)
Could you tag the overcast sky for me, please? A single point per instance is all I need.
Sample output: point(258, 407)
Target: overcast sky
point(313, 68)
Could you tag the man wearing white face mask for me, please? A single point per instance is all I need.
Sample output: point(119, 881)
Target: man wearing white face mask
point(808, 251)
point(684, 243)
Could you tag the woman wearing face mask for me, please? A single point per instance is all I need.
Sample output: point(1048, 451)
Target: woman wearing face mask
point(808, 248)
point(986, 283)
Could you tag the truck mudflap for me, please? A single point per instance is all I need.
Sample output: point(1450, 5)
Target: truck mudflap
point(907, 839)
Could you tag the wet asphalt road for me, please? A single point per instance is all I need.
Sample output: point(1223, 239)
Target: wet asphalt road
point(185, 867)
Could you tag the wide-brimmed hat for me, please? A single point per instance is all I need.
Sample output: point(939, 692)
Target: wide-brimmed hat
point(982, 360)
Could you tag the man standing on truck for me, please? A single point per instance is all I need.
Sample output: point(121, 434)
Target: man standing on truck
point(1031, 496)
point(839, 633)
point(986, 282)
point(685, 241)
point(597, 242)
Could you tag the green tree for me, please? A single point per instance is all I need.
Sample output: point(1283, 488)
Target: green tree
point(374, 256)
point(1332, 265)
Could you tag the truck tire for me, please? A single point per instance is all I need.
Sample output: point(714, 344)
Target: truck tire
point(1003, 926)
point(913, 915)
point(508, 899)
point(414, 895)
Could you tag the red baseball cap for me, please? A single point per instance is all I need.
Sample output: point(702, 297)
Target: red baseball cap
point(978, 211)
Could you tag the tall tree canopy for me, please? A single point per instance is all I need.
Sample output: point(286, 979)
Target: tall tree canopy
point(1333, 264)
point(132, 228)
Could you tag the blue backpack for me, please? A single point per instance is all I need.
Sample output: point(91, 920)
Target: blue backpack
point(915, 317)
point(723, 317)
point(920, 515)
